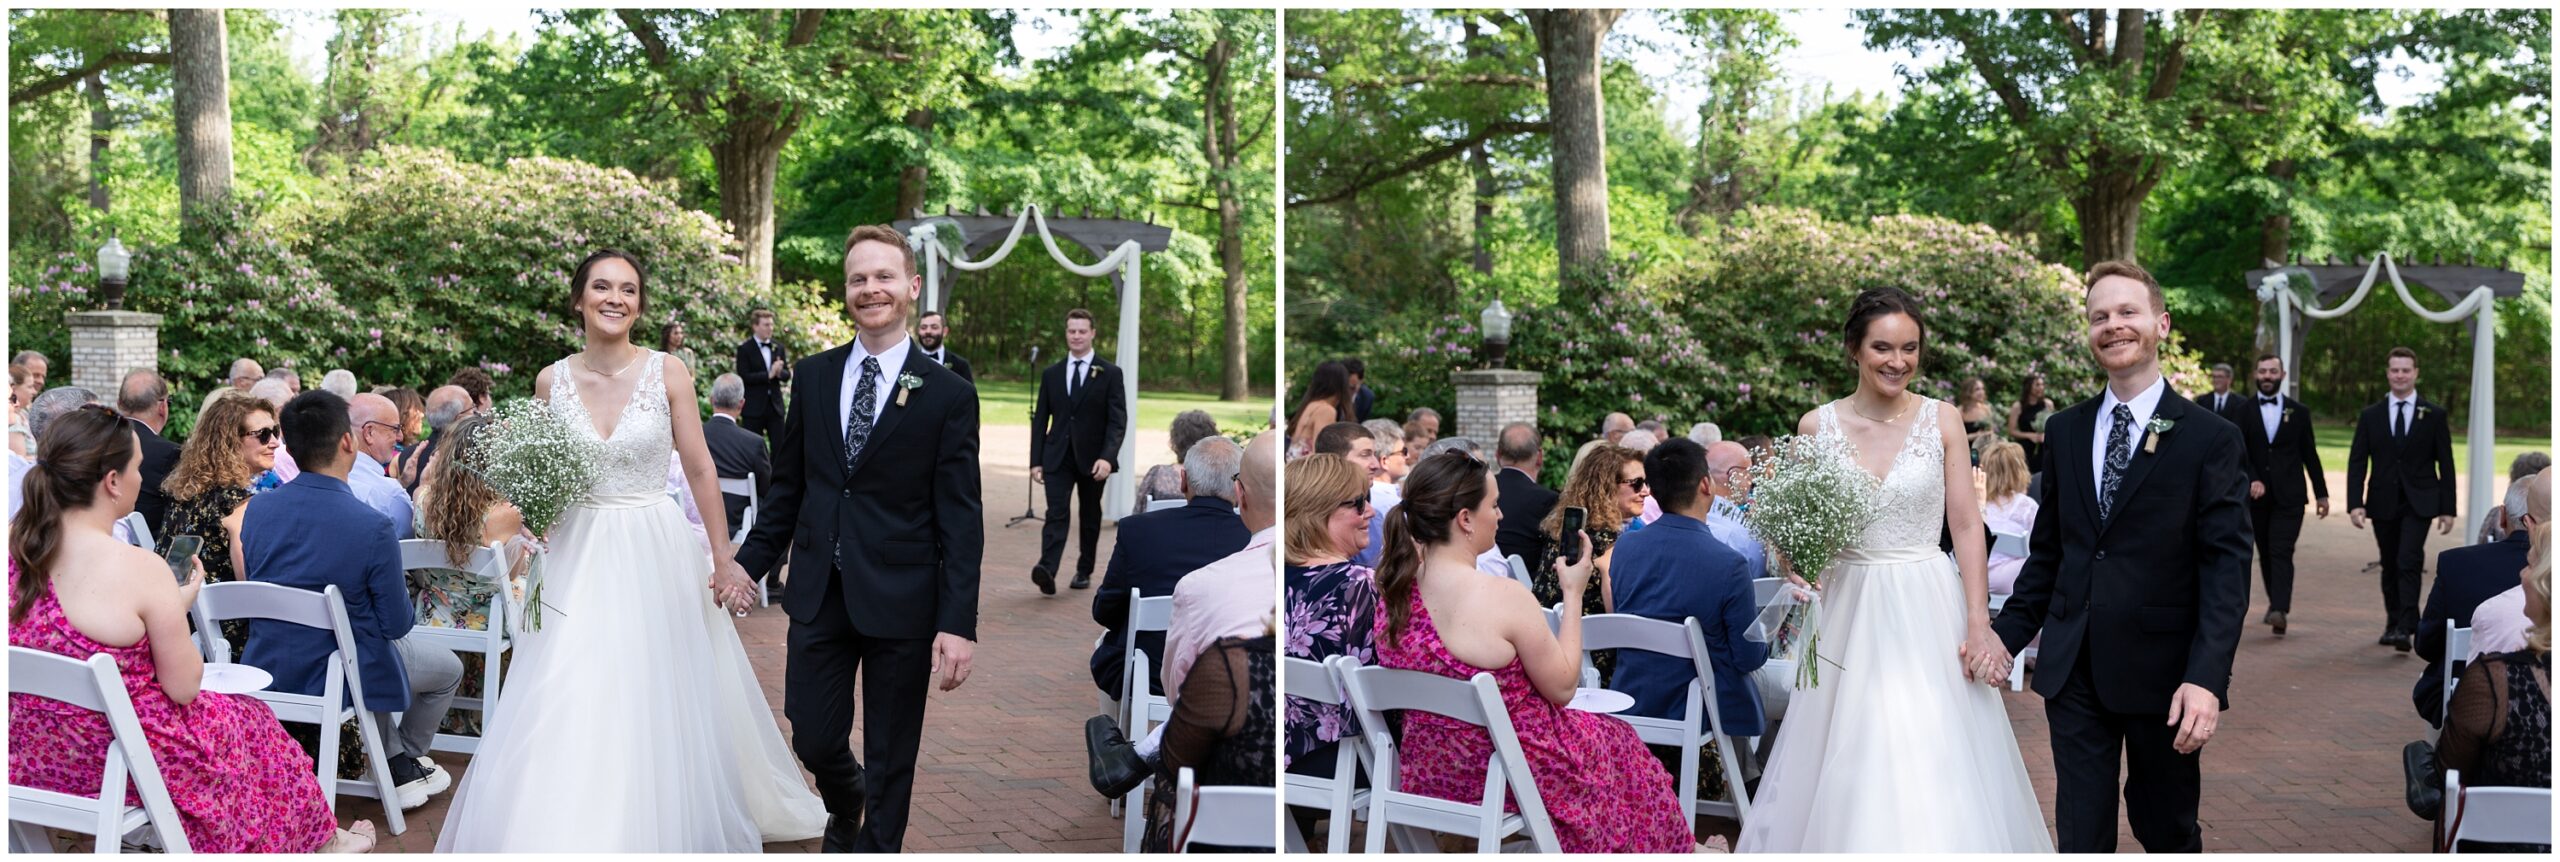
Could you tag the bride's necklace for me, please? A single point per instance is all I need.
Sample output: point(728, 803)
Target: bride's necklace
point(1897, 416)
point(591, 366)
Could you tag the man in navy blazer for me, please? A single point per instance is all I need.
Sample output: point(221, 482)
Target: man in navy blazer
point(2465, 577)
point(1675, 569)
point(312, 533)
point(1156, 549)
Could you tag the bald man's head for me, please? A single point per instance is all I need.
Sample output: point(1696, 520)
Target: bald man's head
point(2537, 499)
point(1260, 484)
point(376, 422)
point(446, 404)
point(1616, 426)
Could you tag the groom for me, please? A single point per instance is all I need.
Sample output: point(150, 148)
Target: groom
point(875, 494)
point(2138, 577)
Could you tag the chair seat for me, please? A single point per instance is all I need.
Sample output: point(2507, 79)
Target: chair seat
point(64, 811)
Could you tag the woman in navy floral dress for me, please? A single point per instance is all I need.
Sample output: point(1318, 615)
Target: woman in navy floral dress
point(1332, 601)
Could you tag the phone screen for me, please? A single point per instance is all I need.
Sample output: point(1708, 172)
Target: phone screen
point(1573, 518)
point(182, 556)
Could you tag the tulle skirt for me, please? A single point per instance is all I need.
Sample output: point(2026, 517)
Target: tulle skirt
point(632, 720)
point(1895, 751)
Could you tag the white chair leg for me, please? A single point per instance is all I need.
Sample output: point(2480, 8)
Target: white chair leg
point(30, 838)
point(328, 763)
point(1134, 827)
point(378, 770)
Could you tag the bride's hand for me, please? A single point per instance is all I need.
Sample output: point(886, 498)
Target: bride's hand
point(730, 584)
point(1986, 659)
point(1786, 568)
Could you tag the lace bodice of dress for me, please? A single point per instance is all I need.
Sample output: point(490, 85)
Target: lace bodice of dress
point(1911, 503)
point(635, 458)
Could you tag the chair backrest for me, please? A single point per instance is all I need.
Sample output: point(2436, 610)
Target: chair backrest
point(1226, 816)
point(1308, 679)
point(252, 600)
point(1767, 590)
point(1520, 572)
point(138, 530)
point(2457, 644)
point(2011, 544)
point(1374, 691)
point(744, 487)
point(2505, 815)
point(1150, 613)
point(1168, 503)
point(97, 686)
point(486, 563)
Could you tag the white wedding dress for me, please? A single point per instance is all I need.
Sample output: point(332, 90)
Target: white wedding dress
point(1895, 751)
point(631, 721)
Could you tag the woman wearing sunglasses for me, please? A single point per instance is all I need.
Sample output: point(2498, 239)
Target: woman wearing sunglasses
point(234, 442)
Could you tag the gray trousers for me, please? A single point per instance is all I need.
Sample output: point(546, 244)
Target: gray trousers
point(434, 674)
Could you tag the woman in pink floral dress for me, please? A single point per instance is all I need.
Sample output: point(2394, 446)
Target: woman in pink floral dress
point(239, 783)
point(1604, 790)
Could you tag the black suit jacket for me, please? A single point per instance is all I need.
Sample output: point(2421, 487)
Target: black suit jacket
point(1524, 504)
point(903, 525)
point(736, 452)
point(2230, 411)
point(2416, 471)
point(159, 456)
point(764, 392)
point(957, 363)
point(1154, 551)
point(1069, 433)
point(2155, 595)
point(2465, 577)
point(2283, 463)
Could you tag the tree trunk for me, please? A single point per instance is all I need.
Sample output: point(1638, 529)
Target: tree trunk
point(1480, 165)
point(1569, 43)
point(202, 98)
point(2109, 206)
point(2275, 234)
point(746, 157)
point(1218, 143)
point(912, 178)
point(101, 122)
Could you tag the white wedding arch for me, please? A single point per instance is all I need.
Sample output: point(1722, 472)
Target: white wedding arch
point(2476, 305)
point(1134, 239)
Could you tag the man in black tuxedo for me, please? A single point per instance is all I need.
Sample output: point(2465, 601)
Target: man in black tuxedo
point(1523, 501)
point(2222, 401)
point(2281, 452)
point(764, 367)
point(1156, 549)
point(1077, 422)
point(2467, 576)
point(2138, 577)
point(2407, 444)
point(143, 398)
point(875, 493)
point(931, 329)
point(736, 452)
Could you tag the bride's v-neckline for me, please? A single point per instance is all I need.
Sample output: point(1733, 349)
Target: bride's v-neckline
point(580, 393)
point(1858, 457)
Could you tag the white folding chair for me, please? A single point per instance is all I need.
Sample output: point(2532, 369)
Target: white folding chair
point(1224, 815)
point(1142, 719)
point(2505, 815)
point(2018, 664)
point(2012, 544)
point(1374, 691)
point(1767, 590)
point(1699, 721)
point(137, 530)
point(93, 685)
point(1169, 503)
point(488, 564)
point(1555, 625)
point(1149, 614)
point(2457, 651)
point(341, 695)
point(747, 521)
point(1336, 796)
point(1520, 572)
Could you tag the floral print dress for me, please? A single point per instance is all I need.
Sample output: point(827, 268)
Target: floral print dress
point(1332, 611)
point(239, 783)
point(202, 516)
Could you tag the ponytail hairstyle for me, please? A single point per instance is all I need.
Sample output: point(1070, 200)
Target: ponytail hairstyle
point(79, 449)
point(1434, 493)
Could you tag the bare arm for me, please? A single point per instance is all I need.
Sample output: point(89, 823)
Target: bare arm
point(729, 580)
point(164, 607)
point(1553, 661)
point(231, 528)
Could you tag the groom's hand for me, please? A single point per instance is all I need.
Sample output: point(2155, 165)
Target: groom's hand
point(1035, 475)
point(951, 655)
point(2196, 712)
point(1101, 470)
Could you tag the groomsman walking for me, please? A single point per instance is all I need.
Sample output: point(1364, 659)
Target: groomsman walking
point(763, 366)
point(2400, 474)
point(1077, 421)
point(2277, 430)
point(2222, 401)
point(931, 328)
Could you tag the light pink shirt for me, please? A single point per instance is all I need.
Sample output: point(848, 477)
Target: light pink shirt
point(285, 468)
point(2499, 624)
point(1235, 597)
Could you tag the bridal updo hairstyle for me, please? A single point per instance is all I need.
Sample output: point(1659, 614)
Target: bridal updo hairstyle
point(1876, 303)
point(578, 279)
point(1434, 493)
point(78, 450)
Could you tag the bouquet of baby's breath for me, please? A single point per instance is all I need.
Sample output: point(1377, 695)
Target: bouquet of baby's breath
point(541, 463)
point(1809, 502)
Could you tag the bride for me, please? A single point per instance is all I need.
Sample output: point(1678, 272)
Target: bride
point(1899, 749)
point(632, 721)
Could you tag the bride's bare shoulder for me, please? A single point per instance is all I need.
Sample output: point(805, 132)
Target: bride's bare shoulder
point(542, 382)
point(1810, 421)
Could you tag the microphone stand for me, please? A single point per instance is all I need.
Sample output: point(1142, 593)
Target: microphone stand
point(1030, 489)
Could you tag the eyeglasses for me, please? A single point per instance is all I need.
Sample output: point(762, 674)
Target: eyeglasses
point(265, 435)
point(369, 423)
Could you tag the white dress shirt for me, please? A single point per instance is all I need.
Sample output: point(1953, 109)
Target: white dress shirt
point(2143, 404)
point(2399, 410)
point(893, 361)
point(383, 494)
point(2270, 414)
point(1077, 368)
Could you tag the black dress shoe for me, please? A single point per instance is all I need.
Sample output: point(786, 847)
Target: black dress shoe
point(1112, 764)
point(1048, 582)
point(2276, 618)
point(2402, 642)
point(2270, 617)
point(840, 833)
point(2388, 637)
point(1083, 580)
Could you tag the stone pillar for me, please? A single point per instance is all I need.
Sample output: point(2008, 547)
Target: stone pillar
point(107, 344)
point(1489, 398)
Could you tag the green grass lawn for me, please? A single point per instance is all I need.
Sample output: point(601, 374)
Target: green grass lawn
point(1009, 403)
point(2334, 437)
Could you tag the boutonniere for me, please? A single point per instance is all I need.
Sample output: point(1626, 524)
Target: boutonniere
point(2288, 415)
point(2422, 414)
point(908, 383)
point(1092, 371)
point(2151, 442)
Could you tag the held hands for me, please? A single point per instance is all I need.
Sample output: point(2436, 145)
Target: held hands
point(2195, 712)
point(1986, 660)
point(951, 656)
point(1101, 470)
point(1572, 579)
point(731, 586)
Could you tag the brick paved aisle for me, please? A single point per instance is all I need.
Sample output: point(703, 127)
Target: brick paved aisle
point(1002, 767)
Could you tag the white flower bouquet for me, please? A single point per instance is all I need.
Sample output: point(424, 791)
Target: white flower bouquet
point(541, 463)
point(1810, 502)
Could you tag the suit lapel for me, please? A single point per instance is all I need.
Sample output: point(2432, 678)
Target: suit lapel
point(2172, 408)
point(2075, 438)
point(826, 391)
point(889, 415)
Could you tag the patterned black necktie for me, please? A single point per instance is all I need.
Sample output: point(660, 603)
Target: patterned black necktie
point(2119, 456)
point(857, 430)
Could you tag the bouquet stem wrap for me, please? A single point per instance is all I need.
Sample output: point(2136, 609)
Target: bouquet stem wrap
point(1809, 502)
point(542, 464)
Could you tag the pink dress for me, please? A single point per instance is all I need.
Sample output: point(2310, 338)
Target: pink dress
point(240, 784)
point(1602, 787)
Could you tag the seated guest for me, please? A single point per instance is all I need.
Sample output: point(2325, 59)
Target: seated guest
point(2493, 527)
point(377, 428)
point(234, 443)
point(2467, 578)
point(444, 405)
point(2498, 624)
point(239, 783)
point(143, 398)
point(1332, 601)
point(291, 379)
point(1353, 441)
point(1706, 434)
point(1492, 562)
point(22, 446)
point(735, 451)
point(413, 414)
point(313, 533)
point(1729, 480)
point(1677, 569)
point(1525, 503)
point(457, 508)
point(244, 373)
point(1162, 488)
point(1220, 729)
point(1190, 426)
point(1327, 401)
point(1156, 550)
point(2006, 508)
point(43, 409)
point(2499, 732)
point(1394, 461)
point(1604, 794)
point(275, 392)
point(1421, 427)
point(1610, 487)
point(339, 382)
point(477, 383)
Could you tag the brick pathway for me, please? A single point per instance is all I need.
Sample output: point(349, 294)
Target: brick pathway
point(1002, 767)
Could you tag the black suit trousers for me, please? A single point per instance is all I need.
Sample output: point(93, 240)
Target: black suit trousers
point(1076, 479)
point(818, 697)
point(2277, 525)
point(2403, 541)
point(2088, 740)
